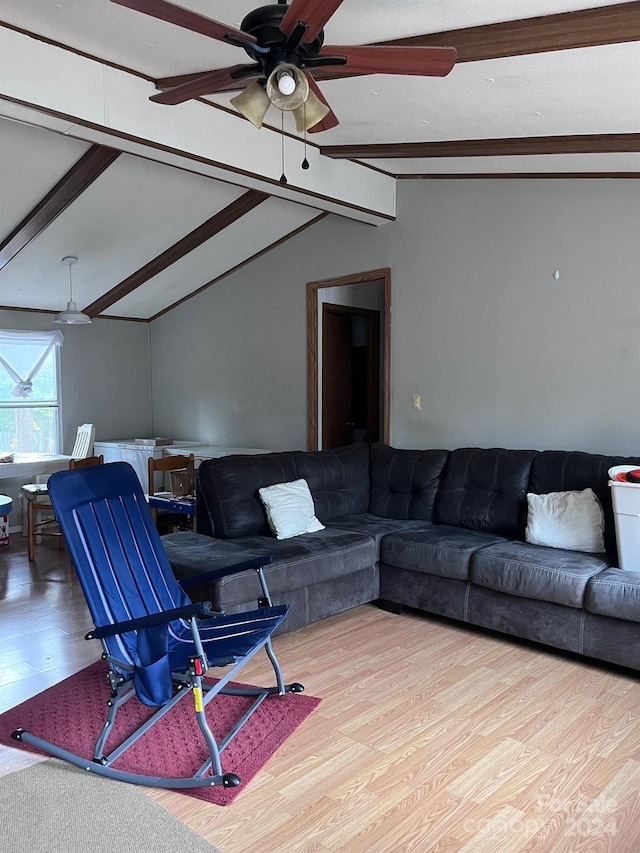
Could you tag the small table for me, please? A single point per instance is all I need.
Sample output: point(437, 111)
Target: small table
point(170, 503)
point(27, 468)
point(30, 465)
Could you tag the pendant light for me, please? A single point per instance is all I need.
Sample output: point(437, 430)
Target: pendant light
point(71, 315)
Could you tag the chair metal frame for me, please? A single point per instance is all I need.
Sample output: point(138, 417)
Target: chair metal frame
point(122, 568)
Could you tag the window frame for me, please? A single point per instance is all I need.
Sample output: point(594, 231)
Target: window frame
point(26, 403)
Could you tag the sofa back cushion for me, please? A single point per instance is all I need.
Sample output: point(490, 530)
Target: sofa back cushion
point(404, 483)
point(569, 471)
point(486, 490)
point(338, 479)
point(228, 502)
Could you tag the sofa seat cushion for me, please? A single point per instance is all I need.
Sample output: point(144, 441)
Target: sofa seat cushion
point(616, 593)
point(437, 549)
point(192, 554)
point(300, 562)
point(532, 571)
point(375, 526)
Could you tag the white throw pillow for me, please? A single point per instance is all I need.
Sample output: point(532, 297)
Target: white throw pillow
point(290, 509)
point(570, 520)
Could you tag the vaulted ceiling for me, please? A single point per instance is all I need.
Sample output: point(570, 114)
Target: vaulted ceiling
point(160, 201)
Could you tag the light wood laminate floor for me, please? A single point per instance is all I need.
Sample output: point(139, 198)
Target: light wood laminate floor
point(430, 737)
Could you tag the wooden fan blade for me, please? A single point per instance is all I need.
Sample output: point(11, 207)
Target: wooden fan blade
point(178, 79)
point(330, 120)
point(411, 61)
point(206, 84)
point(314, 13)
point(251, 72)
point(185, 18)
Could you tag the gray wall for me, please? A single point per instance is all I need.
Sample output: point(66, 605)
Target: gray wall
point(229, 366)
point(502, 353)
point(105, 374)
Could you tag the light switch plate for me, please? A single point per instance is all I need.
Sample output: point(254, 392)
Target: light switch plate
point(416, 402)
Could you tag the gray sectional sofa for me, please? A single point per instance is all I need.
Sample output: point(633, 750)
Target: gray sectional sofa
point(441, 531)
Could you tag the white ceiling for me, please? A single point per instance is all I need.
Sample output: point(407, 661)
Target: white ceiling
point(138, 208)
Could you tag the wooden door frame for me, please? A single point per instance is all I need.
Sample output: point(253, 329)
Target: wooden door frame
point(367, 277)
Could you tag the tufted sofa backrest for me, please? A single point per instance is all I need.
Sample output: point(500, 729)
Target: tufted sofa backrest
point(228, 504)
point(486, 489)
point(404, 483)
point(475, 488)
point(566, 471)
point(338, 479)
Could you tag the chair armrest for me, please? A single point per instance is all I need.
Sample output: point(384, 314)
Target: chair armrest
point(214, 574)
point(200, 608)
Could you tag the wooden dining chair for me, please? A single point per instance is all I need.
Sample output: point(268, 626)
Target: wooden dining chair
point(38, 504)
point(83, 445)
point(173, 464)
point(36, 496)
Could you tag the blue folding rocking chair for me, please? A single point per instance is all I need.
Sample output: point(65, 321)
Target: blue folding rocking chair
point(157, 643)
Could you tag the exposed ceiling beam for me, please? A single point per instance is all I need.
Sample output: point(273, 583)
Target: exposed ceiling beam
point(242, 264)
point(564, 31)
point(199, 235)
point(599, 143)
point(81, 175)
point(511, 176)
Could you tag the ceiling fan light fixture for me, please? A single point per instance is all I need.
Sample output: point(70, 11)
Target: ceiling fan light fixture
point(71, 316)
point(253, 103)
point(281, 78)
point(286, 83)
point(310, 113)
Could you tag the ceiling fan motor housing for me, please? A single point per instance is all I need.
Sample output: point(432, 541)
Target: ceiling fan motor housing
point(264, 24)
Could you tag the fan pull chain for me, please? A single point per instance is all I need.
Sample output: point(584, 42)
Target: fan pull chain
point(305, 162)
point(283, 177)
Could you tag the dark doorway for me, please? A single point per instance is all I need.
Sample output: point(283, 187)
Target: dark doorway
point(380, 280)
point(350, 375)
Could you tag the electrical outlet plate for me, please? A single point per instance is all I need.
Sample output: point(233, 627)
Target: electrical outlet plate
point(416, 402)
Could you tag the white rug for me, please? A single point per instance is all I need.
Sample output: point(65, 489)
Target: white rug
point(53, 807)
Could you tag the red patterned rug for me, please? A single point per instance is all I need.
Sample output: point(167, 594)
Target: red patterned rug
point(71, 714)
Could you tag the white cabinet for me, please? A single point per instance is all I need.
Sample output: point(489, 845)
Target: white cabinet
point(137, 455)
point(626, 508)
point(211, 451)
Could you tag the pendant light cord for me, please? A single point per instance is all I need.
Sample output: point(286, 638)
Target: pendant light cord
point(283, 177)
point(305, 162)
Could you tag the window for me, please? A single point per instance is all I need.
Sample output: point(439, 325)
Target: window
point(29, 391)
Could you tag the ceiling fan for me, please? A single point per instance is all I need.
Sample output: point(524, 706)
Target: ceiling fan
point(286, 46)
